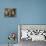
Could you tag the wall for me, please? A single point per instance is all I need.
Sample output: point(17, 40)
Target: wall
point(28, 12)
point(33, 12)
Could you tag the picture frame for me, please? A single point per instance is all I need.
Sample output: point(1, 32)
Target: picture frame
point(10, 12)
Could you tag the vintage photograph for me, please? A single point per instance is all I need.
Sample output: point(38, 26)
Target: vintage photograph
point(10, 12)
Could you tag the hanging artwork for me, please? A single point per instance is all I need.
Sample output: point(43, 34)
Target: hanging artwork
point(10, 12)
point(32, 32)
